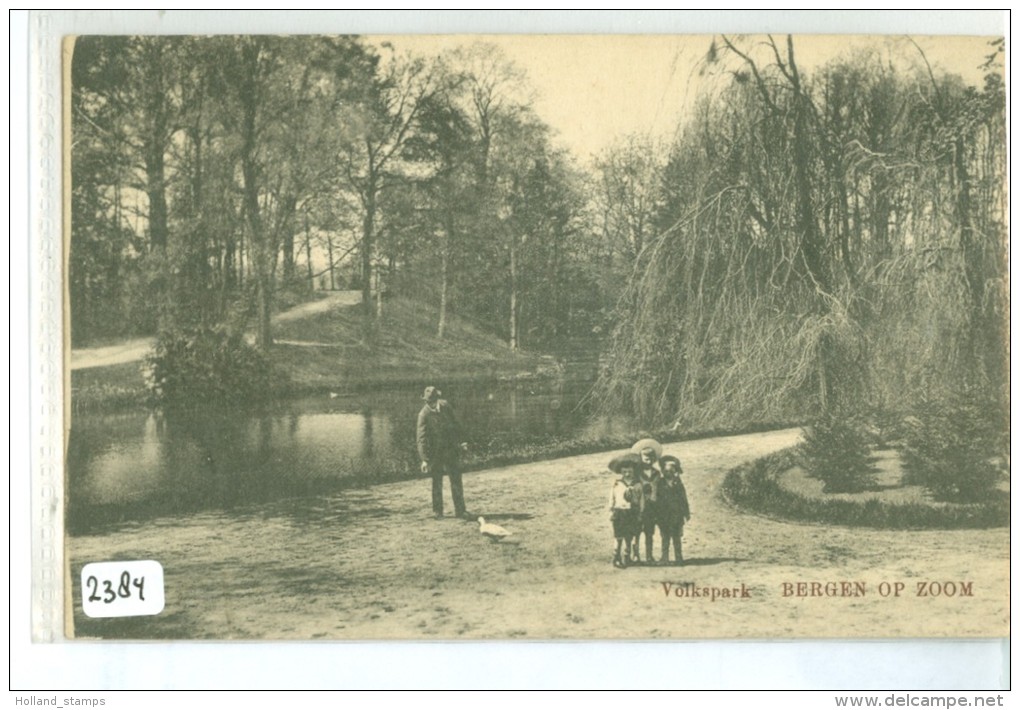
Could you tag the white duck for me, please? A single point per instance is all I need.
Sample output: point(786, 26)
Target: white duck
point(493, 532)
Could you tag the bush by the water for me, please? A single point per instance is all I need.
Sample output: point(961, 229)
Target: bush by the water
point(951, 446)
point(205, 366)
point(755, 486)
point(837, 451)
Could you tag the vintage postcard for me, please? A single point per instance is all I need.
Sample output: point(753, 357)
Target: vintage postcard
point(443, 337)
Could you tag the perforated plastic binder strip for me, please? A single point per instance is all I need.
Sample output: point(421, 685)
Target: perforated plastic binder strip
point(47, 218)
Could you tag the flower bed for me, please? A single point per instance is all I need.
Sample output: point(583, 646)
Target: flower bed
point(775, 486)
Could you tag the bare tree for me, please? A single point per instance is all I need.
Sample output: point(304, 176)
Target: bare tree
point(628, 193)
point(375, 133)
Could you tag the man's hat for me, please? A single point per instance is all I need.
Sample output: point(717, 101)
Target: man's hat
point(629, 459)
point(431, 393)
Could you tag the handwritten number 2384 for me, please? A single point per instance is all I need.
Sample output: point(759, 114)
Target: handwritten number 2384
point(123, 590)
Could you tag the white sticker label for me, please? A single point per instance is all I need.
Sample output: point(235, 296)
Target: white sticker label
point(110, 589)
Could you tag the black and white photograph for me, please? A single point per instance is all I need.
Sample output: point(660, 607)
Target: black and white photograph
point(530, 337)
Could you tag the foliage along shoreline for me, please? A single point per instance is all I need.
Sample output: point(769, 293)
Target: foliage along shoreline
point(754, 487)
point(190, 366)
point(102, 390)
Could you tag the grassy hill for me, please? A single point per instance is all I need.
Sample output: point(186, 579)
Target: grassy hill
point(338, 351)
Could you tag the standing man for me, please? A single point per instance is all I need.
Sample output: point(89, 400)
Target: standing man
point(439, 445)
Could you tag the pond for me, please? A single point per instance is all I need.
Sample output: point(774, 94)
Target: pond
point(133, 466)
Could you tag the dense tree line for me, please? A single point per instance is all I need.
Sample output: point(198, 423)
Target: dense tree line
point(823, 242)
point(810, 242)
point(205, 170)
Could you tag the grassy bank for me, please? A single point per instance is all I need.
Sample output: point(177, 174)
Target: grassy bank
point(339, 350)
point(756, 486)
point(108, 388)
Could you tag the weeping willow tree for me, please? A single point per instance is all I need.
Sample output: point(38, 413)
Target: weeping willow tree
point(826, 243)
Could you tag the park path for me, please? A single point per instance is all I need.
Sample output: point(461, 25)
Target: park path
point(371, 563)
point(137, 348)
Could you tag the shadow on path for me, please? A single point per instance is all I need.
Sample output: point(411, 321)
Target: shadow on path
point(706, 561)
point(689, 562)
point(502, 516)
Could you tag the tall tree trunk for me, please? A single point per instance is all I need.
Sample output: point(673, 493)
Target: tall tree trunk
point(288, 254)
point(844, 228)
point(199, 277)
point(329, 253)
point(984, 336)
point(154, 143)
point(367, 236)
point(240, 259)
point(229, 281)
point(812, 242)
point(513, 293)
point(308, 255)
point(155, 189)
point(556, 281)
point(263, 335)
point(881, 210)
point(444, 284)
point(261, 254)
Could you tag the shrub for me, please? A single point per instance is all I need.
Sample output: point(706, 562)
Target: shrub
point(885, 427)
point(950, 447)
point(754, 486)
point(205, 366)
point(837, 451)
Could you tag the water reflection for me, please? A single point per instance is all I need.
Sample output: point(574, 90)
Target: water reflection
point(134, 466)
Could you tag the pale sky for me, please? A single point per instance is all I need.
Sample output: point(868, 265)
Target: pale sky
point(592, 89)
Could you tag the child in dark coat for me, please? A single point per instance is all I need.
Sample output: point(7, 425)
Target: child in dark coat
point(674, 509)
point(648, 517)
point(625, 502)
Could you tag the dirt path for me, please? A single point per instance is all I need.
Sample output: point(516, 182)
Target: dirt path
point(137, 348)
point(125, 351)
point(373, 564)
point(333, 300)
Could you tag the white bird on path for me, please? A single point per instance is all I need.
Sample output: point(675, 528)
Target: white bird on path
point(493, 532)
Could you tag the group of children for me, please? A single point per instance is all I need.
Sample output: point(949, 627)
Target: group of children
point(646, 497)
